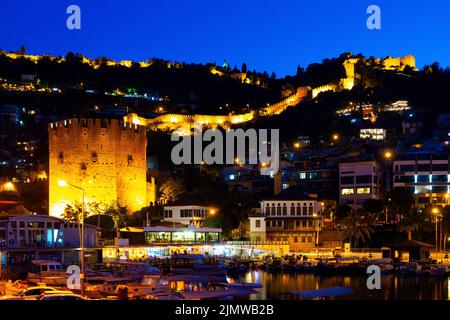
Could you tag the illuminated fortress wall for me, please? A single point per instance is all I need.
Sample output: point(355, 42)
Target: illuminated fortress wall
point(105, 157)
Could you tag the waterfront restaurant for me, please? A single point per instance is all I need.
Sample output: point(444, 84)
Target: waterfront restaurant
point(164, 241)
point(188, 235)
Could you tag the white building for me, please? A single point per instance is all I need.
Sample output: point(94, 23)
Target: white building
point(359, 181)
point(42, 231)
point(288, 218)
point(187, 214)
point(427, 177)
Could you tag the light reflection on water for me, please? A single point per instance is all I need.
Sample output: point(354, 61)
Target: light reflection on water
point(276, 285)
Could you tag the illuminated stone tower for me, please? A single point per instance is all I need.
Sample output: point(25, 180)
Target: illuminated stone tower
point(105, 157)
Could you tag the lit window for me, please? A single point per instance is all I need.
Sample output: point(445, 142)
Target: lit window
point(302, 175)
point(347, 191)
point(231, 176)
point(363, 190)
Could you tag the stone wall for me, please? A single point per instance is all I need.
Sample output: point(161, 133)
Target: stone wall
point(105, 157)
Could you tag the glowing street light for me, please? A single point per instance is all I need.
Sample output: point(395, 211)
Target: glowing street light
point(63, 184)
point(388, 155)
point(335, 137)
point(297, 145)
point(212, 212)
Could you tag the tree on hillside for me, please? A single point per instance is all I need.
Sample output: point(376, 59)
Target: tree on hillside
point(244, 68)
point(299, 72)
point(172, 190)
point(287, 90)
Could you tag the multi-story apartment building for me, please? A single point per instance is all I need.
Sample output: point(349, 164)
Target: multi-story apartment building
point(359, 181)
point(427, 175)
point(321, 180)
point(187, 214)
point(293, 219)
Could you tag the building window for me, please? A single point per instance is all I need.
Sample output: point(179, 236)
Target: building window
point(94, 157)
point(364, 179)
point(295, 239)
point(130, 159)
point(303, 239)
point(309, 239)
point(302, 175)
point(284, 211)
point(347, 180)
point(347, 191)
point(61, 157)
point(363, 190)
point(258, 223)
point(292, 211)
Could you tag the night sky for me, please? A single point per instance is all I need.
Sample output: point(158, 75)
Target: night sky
point(267, 35)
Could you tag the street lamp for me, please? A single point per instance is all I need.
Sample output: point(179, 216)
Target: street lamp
point(388, 155)
point(63, 184)
point(317, 228)
point(436, 212)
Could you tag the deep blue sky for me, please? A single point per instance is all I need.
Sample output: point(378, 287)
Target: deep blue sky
point(266, 34)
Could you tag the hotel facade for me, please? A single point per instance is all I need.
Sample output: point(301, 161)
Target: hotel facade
point(296, 220)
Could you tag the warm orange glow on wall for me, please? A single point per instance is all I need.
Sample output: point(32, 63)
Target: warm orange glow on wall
point(105, 157)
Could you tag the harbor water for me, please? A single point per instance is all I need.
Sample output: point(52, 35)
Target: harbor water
point(276, 285)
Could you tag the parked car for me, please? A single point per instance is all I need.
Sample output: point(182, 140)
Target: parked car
point(34, 292)
point(61, 297)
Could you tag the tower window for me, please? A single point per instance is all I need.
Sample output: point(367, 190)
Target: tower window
point(61, 157)
point(130, 159)
point(83, 166)
point(94, 157)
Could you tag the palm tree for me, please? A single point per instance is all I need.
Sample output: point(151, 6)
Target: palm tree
point(356, 228)
point(412, 220)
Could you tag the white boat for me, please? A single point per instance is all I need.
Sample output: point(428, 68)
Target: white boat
point(47, 272)
point(386, 264)
point(440, 271)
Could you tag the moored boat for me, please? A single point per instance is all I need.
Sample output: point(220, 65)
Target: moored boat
point(47, 272)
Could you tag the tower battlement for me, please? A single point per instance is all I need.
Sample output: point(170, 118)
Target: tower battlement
point(106, 157)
